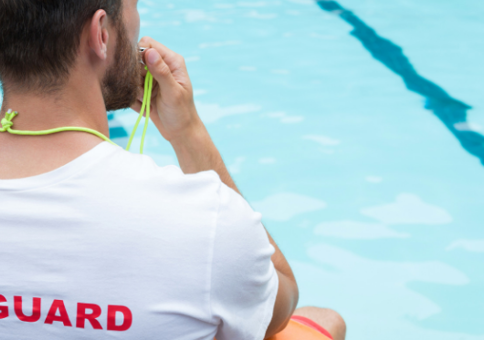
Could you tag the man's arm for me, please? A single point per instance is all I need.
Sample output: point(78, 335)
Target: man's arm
point(196, 152)
point(176, 117)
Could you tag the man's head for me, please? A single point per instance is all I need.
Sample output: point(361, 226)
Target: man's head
point(42, 41)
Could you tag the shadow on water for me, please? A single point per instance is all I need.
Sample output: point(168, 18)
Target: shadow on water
point(452, 112)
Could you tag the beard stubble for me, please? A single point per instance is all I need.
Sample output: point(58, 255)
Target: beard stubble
point(122, 79)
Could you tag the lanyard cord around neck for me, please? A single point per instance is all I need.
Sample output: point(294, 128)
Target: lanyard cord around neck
point(7, 123)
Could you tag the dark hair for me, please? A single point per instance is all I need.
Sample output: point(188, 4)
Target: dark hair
point(39, 39)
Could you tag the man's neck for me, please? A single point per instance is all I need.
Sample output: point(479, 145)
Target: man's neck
point(79, 104)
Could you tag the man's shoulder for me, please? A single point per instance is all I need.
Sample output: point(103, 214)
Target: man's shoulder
point(143, 171)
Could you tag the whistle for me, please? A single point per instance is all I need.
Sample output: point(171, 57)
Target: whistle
point(141, 51)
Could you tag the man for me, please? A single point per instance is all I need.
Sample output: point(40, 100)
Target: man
point(96, 242)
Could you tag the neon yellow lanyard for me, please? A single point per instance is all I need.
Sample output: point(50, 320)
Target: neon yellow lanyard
point(7, 121)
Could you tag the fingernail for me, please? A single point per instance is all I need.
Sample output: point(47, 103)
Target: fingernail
point(153, 57)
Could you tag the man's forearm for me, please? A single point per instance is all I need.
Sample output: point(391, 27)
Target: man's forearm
point(196, 152)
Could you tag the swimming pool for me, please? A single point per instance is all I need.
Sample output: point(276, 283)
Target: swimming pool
point(356, 128)
point(360, 149)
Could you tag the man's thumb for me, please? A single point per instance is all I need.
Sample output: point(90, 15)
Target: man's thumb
point(158, 68)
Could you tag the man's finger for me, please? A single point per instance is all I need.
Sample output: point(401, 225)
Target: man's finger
point(160, 71)
point(167, 54)
point(174, 61)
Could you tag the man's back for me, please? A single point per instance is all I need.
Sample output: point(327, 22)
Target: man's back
point(110, 245)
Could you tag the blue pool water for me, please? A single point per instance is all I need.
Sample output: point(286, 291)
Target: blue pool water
point(356, 127)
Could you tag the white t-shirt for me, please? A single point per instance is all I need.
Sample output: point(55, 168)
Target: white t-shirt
point(111, 246)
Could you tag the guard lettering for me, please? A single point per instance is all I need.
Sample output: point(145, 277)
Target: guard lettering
point(3, 309)
point(127, 318)
point(18, 307)
point(58, 306)
point(119, 318)
point(82, 315)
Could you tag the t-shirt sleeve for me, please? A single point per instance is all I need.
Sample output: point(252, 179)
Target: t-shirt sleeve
point(244, 281)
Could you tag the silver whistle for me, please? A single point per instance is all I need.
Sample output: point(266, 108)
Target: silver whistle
point(141, 51)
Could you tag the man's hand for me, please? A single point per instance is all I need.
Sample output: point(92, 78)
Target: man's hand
point(172, 106)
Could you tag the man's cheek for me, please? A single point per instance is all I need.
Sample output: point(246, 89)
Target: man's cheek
point(133, 22)
point(138, 25)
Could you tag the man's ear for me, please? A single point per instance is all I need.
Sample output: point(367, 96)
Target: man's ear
point(98, 34)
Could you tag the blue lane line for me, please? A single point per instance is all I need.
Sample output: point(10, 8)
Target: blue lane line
point(449, 110)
